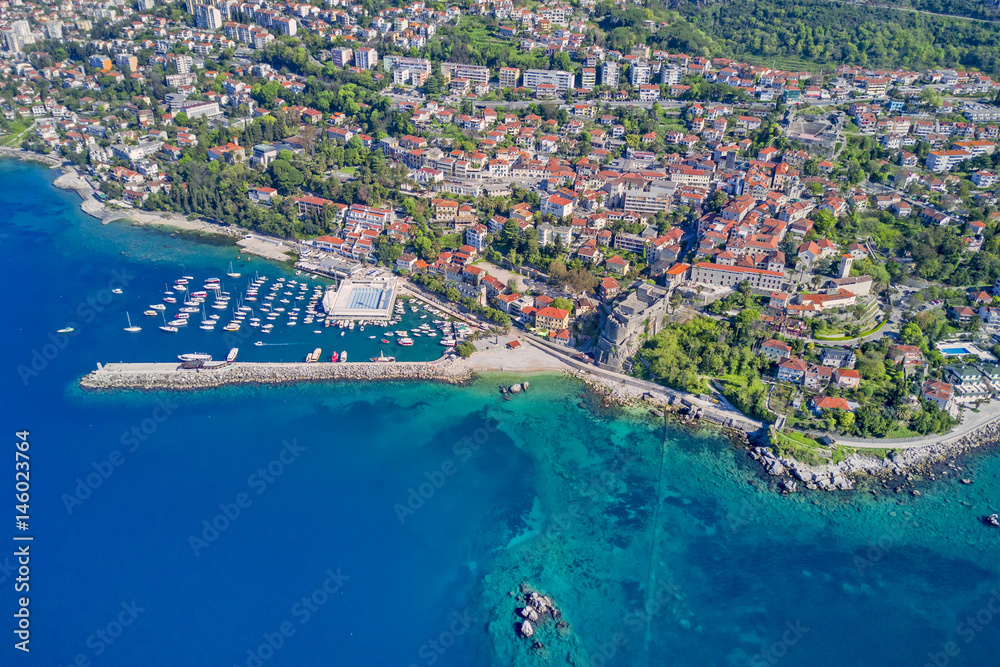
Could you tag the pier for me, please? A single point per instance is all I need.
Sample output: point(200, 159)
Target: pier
point(173, 376)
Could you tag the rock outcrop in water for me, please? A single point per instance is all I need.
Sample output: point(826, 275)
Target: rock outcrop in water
point(538, 609)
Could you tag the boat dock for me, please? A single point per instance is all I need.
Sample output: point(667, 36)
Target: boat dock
point(174, 376)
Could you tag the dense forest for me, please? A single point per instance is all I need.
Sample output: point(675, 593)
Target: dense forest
point(970, 8)
point(810, 33)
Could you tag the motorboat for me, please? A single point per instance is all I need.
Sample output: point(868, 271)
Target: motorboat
point(194, 356)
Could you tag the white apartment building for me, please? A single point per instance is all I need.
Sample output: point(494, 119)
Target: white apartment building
point(560, 79)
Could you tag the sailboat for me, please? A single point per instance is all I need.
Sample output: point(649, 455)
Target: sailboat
point(166, 327)
point(130, 328)
point(232, 274)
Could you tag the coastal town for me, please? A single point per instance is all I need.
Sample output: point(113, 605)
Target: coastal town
point(817, 250)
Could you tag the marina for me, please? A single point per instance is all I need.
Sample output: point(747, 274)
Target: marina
point(282, 318)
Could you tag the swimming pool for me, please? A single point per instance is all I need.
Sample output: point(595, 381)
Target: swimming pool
point(956, 351)
point(366, 297)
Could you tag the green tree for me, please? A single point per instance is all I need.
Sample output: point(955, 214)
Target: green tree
point(911, 334)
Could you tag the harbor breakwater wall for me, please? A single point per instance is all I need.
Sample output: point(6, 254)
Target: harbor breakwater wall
point(171, 377)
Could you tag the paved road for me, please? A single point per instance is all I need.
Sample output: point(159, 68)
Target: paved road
point(970, 422)
point(723, 411)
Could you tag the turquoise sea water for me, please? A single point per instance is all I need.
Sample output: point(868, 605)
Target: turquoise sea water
point(391, 524)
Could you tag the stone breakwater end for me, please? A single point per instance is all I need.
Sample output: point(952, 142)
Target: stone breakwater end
point(120, 376)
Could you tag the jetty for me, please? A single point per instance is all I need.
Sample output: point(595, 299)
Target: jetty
point(174, 376)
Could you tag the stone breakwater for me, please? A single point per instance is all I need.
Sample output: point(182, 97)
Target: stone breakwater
point(169, 377)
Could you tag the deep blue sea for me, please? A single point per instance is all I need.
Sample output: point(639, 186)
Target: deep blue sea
point(394, 523)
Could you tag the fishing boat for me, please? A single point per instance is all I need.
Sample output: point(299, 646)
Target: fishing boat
point(194, 356)
point(381, 358)
point(405, 342)
point(232, 274)
point(130, 328)
point(66, 330)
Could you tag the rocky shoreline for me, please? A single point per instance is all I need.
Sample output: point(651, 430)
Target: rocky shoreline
point(900, 472)
point(675, 412)
point(109, 378)
point(29, 156)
